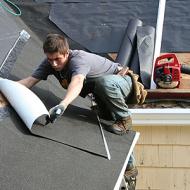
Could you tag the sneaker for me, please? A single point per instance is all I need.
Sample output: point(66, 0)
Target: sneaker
point(122, 126)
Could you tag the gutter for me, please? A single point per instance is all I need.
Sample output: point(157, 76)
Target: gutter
point(161, 117)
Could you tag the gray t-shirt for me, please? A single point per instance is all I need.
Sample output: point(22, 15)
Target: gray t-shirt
point(80, 62)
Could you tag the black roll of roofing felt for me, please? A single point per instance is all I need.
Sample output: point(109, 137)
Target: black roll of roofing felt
point(142, 59)
point(128, 45)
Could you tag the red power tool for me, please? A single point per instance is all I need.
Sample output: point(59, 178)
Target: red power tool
point(167, 71)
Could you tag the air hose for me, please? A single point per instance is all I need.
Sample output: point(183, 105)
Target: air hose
point(16, 10)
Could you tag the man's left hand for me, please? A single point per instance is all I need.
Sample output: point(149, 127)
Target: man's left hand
point(56, 112)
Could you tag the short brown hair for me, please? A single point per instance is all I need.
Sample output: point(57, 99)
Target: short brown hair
point(55, 43)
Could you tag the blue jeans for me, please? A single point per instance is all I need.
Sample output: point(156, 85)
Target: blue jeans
point(131, 159)
point(114, 91)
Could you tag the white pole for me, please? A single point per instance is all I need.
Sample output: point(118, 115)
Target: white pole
point(158, 40)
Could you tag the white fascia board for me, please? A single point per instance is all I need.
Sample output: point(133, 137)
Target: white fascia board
point(119, 180)
point(158, 35)
point(161, 117)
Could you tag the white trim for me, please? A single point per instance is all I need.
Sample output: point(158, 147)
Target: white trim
point(165, 116)
point(119, 180)
point(158, 39)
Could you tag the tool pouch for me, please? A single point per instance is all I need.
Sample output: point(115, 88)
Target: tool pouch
point(138, 94)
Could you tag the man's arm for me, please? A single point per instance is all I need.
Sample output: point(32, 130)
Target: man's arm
point(73, 90)
point(29, 82)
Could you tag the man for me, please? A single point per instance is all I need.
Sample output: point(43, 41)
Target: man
point(82, 73)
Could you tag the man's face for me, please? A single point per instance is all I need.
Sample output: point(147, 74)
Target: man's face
point(57, 60)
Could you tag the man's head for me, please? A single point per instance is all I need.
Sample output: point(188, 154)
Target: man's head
point(56, 49)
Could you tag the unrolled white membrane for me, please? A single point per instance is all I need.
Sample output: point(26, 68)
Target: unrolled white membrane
point(27, 105)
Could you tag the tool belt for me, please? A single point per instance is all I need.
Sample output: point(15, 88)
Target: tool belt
point(138, 94)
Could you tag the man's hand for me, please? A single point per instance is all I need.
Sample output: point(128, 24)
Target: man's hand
point(124, 71)
point(56, 112)
point(73, 91)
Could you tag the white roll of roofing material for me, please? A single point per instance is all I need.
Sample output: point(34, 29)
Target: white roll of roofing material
point(158, 39)
point(27, 105)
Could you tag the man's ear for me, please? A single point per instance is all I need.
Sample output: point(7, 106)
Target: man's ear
point(67, 54)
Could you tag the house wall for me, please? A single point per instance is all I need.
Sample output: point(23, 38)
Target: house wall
point(163, 158)
point(163, 152)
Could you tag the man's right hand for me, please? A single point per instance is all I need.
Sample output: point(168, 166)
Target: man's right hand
point(56, 112)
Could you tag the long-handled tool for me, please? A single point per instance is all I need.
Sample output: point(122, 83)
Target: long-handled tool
point(101, 129)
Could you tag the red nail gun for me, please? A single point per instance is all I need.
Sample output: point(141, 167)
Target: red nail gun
point(167, 71)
